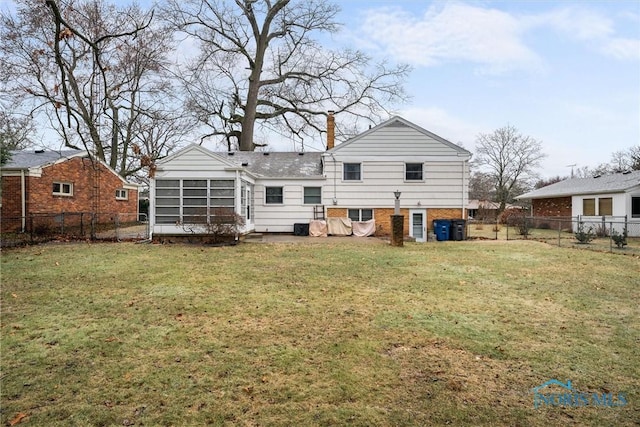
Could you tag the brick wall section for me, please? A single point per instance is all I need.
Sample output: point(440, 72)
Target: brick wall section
point(451, 213)
point(557, 206)
point(79, 172)
point(11, 203)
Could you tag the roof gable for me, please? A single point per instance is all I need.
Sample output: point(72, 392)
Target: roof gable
point(614, 183)
point(193, 151)
point(407, 133)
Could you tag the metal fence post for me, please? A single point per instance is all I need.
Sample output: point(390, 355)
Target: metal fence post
point(610, 236)
point(62, 222)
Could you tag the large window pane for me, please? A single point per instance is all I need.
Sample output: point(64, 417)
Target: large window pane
point(224, 183)
point(168, 202)
point(605, 206)
point(588, 207)
point(164, 192)
point(312, 195)
point(164, 183)
point(635, 207)
point(221, 202)
point(351, 172)
point(413, 171)
point(190, 183)
point(194, 202)
point(274, 195)
point(199, 192)
point(366, 214)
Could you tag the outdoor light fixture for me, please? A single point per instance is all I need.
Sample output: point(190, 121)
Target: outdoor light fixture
point(396, 210)
point(397, 194)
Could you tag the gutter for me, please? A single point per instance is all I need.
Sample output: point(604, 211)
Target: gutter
point(23, 200)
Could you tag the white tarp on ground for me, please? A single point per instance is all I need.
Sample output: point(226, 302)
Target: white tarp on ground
point(364, 228)
point(339, 226)
point(318, 228)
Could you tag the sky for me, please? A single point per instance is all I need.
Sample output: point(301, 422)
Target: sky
point(566, 73)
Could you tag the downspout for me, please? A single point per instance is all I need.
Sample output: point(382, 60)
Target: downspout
point(23, 200)
point(462, 201)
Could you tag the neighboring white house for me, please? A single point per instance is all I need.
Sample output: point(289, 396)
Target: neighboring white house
point(612, 198)
point(356, 179)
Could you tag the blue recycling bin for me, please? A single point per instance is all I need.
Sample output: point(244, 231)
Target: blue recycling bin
point(441, 227)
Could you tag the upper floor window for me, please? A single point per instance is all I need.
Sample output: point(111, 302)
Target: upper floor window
point(62, 189)
point(312, 195)
point(413, 172)
point(274, 195)
point(352, 172)
point(122, 194)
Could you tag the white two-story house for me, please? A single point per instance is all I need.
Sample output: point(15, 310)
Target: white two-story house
point(356, 179)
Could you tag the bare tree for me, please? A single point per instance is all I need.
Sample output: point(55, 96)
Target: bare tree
point(510, 158)
point(96, 71)
point(261, 65)
point(16, 132)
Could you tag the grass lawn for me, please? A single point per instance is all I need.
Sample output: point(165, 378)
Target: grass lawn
point(454, 333)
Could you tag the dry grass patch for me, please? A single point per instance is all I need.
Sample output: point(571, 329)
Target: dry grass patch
point(335, 334)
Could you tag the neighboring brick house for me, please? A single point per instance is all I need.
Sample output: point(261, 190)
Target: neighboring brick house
point(614, 197)
point(36, 183)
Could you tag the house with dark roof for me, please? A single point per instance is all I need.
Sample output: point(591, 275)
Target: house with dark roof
point(352, 182)
point(613, 197)
point(48, 183)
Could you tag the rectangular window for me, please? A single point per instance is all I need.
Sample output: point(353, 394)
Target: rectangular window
point(589, 207)
point(605, 206)
point(274, 196)
point(635, 207)
point(122, 194)
point(193, 201)
point(312, 195)
point(352, 172)
point(360, 214)
point(62, 189)
point(413, 172)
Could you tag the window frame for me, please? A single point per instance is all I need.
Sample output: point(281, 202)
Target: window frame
point(267, 195)
point(406, 172)
point(345, 172)
point(360, 216)
point(61, 191)
point(120, 191)
point(635, 213)
point(193, 201)
point(584, 206)
point(610, 206)
point(305, 196)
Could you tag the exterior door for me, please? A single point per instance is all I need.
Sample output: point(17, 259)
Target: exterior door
point(418, 224)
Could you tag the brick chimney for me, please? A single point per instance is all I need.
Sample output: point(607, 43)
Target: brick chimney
point(331, 130)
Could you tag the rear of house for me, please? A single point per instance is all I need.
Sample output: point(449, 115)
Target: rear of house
point(355, 180)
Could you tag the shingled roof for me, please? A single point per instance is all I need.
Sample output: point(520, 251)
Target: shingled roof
point(26, 159)
point(277, 164)
point(614, 183)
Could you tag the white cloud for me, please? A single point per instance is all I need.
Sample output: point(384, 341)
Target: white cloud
point(595, 30)
point(493, 39)
point(443, 124)
point(451, 32)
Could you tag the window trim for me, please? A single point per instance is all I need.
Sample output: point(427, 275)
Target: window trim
point(591, 200)
point(123, 191)
point(600, 200)
point(344, 172)
point(407, 179)
point(360, 213)
point(61, 192)
point(304, 196)
point(266, 196)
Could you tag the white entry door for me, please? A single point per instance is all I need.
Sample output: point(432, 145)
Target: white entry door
point(418, 224)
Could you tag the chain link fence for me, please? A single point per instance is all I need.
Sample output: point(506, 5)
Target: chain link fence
point(611, 234)
point(39, 228)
